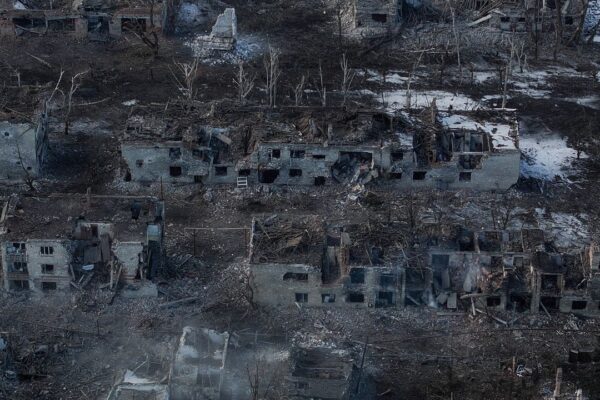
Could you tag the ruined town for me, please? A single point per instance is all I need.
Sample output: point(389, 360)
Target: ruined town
point(299, 199)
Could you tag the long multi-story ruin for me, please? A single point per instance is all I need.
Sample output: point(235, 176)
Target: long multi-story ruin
point(457, 151)
point(303, 260)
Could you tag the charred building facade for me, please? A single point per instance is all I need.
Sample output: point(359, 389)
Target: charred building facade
point(56, 242)
point(457, 151)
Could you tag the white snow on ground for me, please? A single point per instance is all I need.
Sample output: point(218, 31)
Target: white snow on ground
point(396, 100)
point(549, 157)
point(393, 77)
point(588, 101)
point(482, 76)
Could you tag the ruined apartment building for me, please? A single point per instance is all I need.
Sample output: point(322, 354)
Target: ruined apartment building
point(96, 20)
point(527, 15)
point(302, 260)
point(465, 151)
point(517, 270)
point(323, 373)
point(23, 146)
point(299, 260)
point(52, 243)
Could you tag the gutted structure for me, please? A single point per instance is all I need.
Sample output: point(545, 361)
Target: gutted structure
point(321, 373)
point(446, 151)
point(55, 242)
point(224, 33)
point(517, 270)
point(300, 260)
point(91, 19)
point(198, 370)
point(23, 146)
point(528, 15)
point(374, 17)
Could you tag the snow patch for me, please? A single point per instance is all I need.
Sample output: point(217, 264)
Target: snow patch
point(548, 157)
point(444, 100)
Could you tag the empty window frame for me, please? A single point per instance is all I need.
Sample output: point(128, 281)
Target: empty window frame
point(268, 175)
point(295, 276)
point(493, 301)
point(320, 180)
point(295, 173)
point(274, 153)
point(19, 266)
point(397, 155)
point(578, 305)
point(381, 18)
point(327, 298)
point(357, 275)
point(175, 171)
point(174, 153)
point(301, 297)
point(318, 156)
point(297, 153)
point(355, 297)
point(244, 172)
point(18, 284)
point(419, 175)
point(221, 171)
point(464, 177)
point(440, 260)
point(48, 285)
point(46, 250)
point(47, 268)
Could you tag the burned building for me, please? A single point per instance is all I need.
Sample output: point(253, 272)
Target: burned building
point(372, 17)
point(300, 260)
point(517, 270)
point(96, 20)
point(528, 15)
point(52, 243)
point(476, 151)
point(23, 146)
point(322, 373)
point(198, 370)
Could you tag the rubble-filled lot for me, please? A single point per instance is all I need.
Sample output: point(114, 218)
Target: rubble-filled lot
point(370, 199)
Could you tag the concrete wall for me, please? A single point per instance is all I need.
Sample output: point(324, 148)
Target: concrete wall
point(130, 255)
point(151, 163)
point(375, 14)
point(498, 171)
point(60, 259)
point(271, 289)
point(28, 139)
point(306, 164)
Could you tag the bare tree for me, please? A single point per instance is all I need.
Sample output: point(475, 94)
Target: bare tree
point(75, 84)
point(273, 72)
point(299, 91)
point(244, 83)
point(410, 79)
point(28, 177)
point(320, 87)
point(508, 72)
point(347, 78)
point(189, 74)
point(149, 36)
point(558, 28)
point(456, 40)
